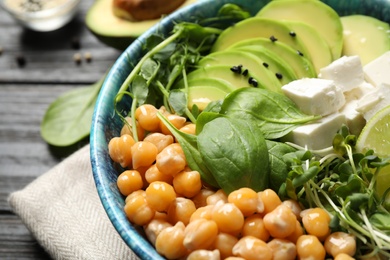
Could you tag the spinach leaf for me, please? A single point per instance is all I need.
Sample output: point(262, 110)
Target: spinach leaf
point(236, 154)
point(274, 113)
point(189, 144)
point(68, 119)
point(278, 167)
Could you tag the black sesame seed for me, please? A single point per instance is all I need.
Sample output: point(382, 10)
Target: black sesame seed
point(279, 75)
point(21, 60)
point(293, 34)
point(245, 72)
point(273, 38)
point(254, 83)
point(300, 53)
point(265, 64)
point(236, 69)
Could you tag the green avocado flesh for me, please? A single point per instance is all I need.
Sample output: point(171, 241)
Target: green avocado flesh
point(302, 66)
point(275, 64)
point(255, 66)
point(365, 36)
point(314, 13)
point(221, 72)
point(112, 30)
point(255, 27)
point(203, 95)
point(317, 47)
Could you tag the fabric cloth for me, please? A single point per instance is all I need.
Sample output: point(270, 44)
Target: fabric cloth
point(62, 210)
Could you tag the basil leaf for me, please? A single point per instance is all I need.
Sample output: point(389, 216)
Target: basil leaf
point(236, 154)
point(274, 113)
point(68, 119)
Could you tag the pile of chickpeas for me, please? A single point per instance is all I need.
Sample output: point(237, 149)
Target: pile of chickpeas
point(185, 219)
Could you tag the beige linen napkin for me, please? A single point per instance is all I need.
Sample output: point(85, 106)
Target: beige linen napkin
point(62, 210)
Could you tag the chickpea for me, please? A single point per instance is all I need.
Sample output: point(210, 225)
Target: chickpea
point(204, 212)
point(282, 249)
point(159, 140)
point(310, 247)
point(154, 227)
point(200, 234)
point(119, 149)
point(343, 256)
point(280, 222)
point(169, 242)
point(295, 207)
point(252, 248)
point(144, 154)
point(128, 129)
point(202, 254)
point(160, 195)
point(340, 242)
point(200, 199)
point(137, 209)
point(175, 120)
point(225, 242)
point(270, 200)
point(299, 231)
point(217, 196)
point(246, 200)
point(187, 183)
point(129, 181)
point(254, 226)
point(316, 222)
point(171, 160)
point(181, 209)
point(146, 116)
point(228, 218)
point(152, 174)
point(189, 128)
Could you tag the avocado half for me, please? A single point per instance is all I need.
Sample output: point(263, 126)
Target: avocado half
point(114, 31)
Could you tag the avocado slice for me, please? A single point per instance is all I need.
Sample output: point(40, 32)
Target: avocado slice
point(279, 67)
point(201, 95)
point(302, 66)
point(315, 13)
point(255, 27)
point(112, 30)
point(220, 72)
point(254, 65)
point(318, 48)
point(210, 82)
point(365, 36)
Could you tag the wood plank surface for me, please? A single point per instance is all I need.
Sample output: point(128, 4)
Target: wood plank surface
point(25, 94)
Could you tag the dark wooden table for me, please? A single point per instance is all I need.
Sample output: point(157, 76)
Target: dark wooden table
point(25, 94)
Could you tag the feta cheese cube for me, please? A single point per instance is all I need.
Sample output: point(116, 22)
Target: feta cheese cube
point(377, 71)
point(359, 92)
point(374, 101)
point(346, 72)
point(354, 119)
point(317, 135)
point(315, 96)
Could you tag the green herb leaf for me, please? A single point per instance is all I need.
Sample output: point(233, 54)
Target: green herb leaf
point(68, 119)
point(236, 154)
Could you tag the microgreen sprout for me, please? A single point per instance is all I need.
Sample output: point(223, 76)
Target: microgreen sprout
point(343, 183)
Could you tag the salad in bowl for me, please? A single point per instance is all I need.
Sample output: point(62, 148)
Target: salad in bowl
point(250, 130)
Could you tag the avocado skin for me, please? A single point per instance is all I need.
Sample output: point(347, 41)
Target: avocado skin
point(114, 31)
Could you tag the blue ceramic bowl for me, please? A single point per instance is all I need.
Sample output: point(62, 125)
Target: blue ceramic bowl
point(106, 124)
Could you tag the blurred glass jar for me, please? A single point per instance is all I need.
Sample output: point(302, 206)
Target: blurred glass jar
point(41, 15)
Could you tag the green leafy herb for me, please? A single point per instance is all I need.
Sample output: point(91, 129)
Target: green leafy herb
point(274, 113)
point(68, 119)
point(236, 153)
